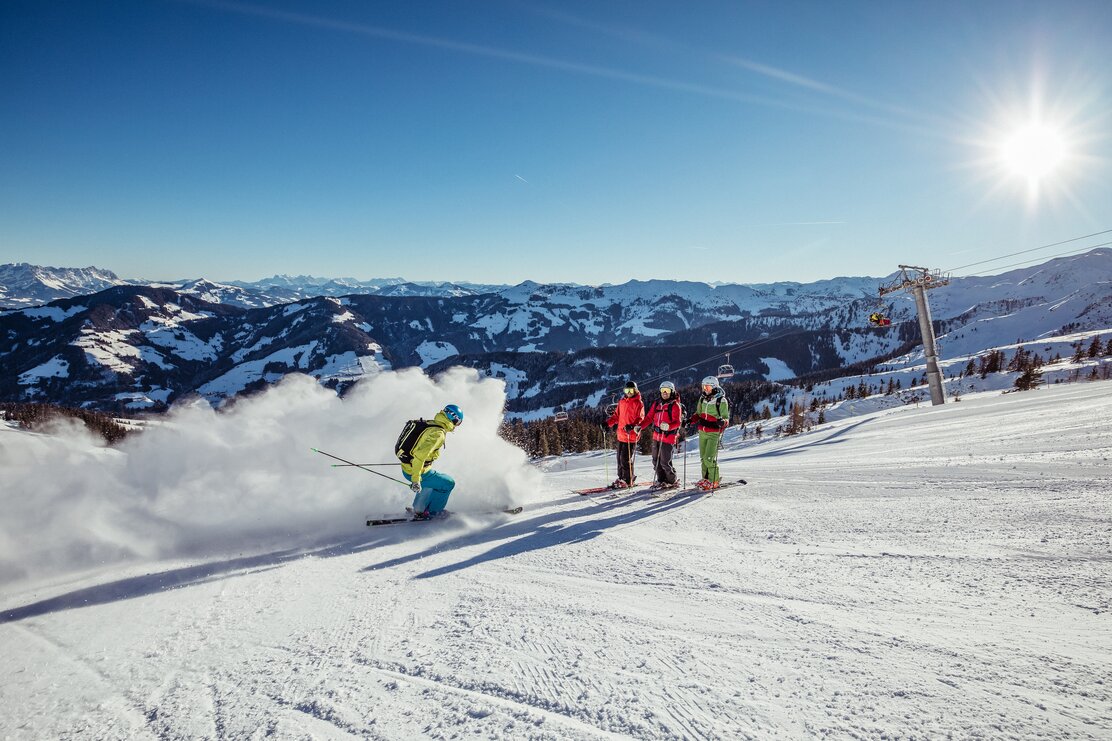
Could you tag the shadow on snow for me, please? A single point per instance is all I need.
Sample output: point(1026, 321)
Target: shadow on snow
point(531, 534)
point(543, 531)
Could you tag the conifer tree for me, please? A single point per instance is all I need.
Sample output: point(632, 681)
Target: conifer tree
point(1030, 378)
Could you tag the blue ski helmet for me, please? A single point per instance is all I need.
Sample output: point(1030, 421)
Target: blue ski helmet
point(454, 414)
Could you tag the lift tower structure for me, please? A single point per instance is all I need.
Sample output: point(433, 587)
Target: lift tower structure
point(917, 281)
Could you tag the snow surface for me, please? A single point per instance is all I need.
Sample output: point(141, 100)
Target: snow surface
point(56, 367)
point(913, 572)
point(778, 370)
point(53, 313)
point(433, 351)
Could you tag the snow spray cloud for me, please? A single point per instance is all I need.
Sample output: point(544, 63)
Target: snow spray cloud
point(201, 482)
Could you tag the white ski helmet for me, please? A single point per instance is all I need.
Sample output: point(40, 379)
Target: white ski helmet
point(711, 381)
point(668, 385)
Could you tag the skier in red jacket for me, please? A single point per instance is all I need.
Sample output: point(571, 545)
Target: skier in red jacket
point(627, 418)
point(665, 417)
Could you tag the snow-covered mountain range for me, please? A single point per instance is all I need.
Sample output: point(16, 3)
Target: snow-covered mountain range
point(140, 346)
point(23, 285)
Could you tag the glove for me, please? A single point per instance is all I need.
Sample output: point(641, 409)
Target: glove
point(636, 430)
point(628, 428)
point(415, 487)
point(664, 427)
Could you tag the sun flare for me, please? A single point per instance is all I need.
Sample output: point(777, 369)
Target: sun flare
point(1034, 151)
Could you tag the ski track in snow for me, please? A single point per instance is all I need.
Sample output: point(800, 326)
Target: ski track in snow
point(914, 573)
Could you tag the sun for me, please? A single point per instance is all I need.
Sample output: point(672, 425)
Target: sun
point(1034, 151)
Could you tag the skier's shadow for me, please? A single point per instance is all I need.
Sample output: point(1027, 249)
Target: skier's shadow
point(139, 586)
point(187, 576)
point(543, 531)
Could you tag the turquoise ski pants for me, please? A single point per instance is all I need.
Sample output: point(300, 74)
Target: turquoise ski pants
point(436, 487)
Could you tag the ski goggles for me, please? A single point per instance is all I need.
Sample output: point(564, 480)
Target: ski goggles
point(707, 388)
point(631, 392)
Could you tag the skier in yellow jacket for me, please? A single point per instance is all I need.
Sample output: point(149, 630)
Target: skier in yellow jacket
point(418, 446)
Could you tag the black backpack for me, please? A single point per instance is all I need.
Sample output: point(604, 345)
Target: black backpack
point(411, 433)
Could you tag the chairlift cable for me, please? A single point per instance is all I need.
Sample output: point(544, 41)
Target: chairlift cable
point(1075, 251)
point(1033, 249)
point(736, 347)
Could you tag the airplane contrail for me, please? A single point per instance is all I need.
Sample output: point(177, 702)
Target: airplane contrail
point(545, 62)
point(522, 179)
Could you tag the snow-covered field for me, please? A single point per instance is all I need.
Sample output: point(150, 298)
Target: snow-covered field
point(914, 572)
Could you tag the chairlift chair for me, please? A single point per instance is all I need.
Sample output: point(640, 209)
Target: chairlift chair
point(560, 414)
point(879, 315)
point(877, 319)
point(726, 371)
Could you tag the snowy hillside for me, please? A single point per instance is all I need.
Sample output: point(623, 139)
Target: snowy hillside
point(555, 344)
point(913, 572)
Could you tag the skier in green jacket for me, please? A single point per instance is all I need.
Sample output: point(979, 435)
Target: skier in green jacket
point(418, 446)
point(712, 415)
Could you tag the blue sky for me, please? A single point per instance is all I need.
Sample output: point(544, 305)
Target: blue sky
point(585, 142)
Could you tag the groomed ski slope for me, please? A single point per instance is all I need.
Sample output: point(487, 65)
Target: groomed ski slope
point(910, 573)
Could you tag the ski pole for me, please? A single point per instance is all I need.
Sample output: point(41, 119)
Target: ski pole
point(376, 473)
point(361, 465)
point(606, 459)
point(630, 453)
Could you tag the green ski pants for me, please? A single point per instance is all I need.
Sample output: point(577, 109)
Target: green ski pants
point(708, 453)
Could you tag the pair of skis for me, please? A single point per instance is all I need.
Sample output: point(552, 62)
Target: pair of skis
point(611, 491)
point(371, 522)
point(655, 490)
point(691, 490)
